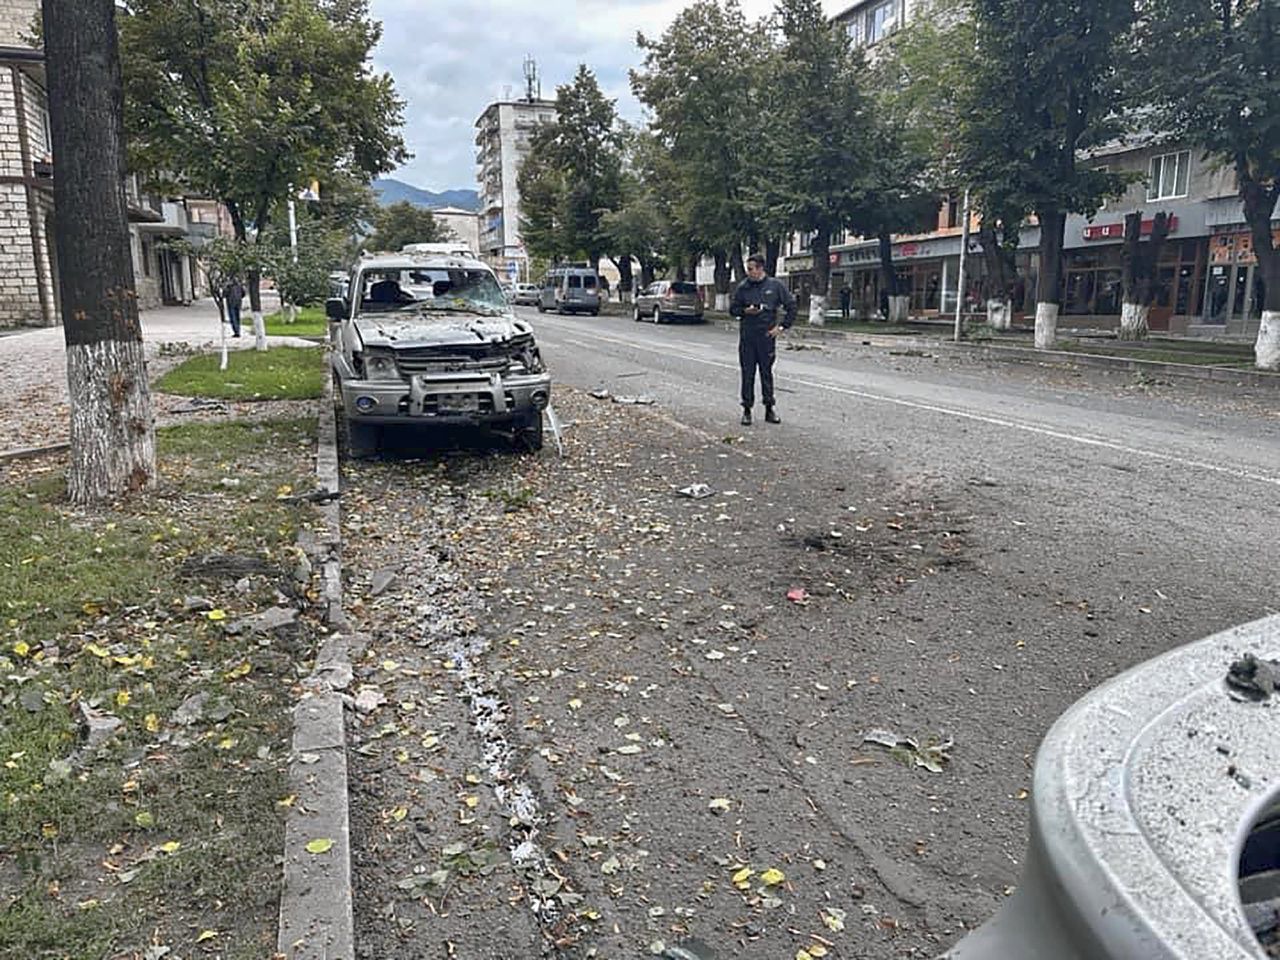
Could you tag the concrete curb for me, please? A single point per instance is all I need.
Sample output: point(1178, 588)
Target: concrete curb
point(1191, 371)
point(316, 914)
point(27, 453)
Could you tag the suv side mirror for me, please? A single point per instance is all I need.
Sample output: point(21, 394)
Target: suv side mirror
point(335, 308)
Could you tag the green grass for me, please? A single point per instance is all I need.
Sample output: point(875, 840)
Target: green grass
point(311, 322)
point(282, 373)
point(92, 612)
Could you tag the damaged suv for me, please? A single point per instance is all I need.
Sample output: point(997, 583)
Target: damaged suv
point(429, 338)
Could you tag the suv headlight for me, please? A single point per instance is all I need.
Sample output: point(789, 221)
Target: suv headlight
point(380, 366)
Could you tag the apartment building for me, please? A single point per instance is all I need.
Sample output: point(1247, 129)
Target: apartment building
point(28, 260)
point(503, 134)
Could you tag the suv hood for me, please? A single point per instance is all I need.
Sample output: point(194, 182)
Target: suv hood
point(438, 330)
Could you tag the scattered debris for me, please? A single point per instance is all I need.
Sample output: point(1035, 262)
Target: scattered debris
point(99, 724)
point(696, 491)
point(798, 595)
point(640, 401)
point(269, 620)
point(191, 709)
point(1252, 679)
point(201, 405)
point(369, 699)
point(601, 394)
point(315, 496)
point(383, 580)
point(931, 755)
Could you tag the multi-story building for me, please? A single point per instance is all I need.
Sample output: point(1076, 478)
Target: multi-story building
point(28, 260)
point(503, 135)
point(463, 224)
point(1207, 281)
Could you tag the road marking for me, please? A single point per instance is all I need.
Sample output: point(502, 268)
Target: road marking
point(1100, 442)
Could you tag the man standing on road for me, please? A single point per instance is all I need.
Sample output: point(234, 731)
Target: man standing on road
point(756, 303)
point(233, 293)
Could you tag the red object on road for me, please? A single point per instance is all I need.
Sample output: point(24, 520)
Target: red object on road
point(798, 595)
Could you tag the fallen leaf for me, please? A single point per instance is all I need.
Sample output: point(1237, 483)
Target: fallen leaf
point(319, 845)
point(206, 935)
point(721, 804)
point(772, 877)
point(216, 615)
point(169, 846)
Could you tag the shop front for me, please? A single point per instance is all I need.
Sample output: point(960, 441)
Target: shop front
point(1233, 290)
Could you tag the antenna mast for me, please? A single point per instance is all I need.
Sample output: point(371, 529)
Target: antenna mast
point(532, 85)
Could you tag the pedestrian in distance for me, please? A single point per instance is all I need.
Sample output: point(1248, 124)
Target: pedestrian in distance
point(233, 294)
point(756, 304)
point(846, 300)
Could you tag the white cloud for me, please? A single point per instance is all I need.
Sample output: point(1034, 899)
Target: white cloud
point(451, 59)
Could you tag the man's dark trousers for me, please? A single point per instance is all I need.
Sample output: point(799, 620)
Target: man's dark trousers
point(756, 349)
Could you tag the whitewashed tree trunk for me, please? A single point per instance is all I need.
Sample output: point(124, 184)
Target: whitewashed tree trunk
point(1267, 347)
point(722, 302)
point(293, 313)
point(113, 445)
point(1046, 325)
point(817, 310)
point(1133, 321)
point(899, 308)
point(259, 331)
point(999, 314)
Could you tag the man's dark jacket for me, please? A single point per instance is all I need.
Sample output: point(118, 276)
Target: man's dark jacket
point(769, 294)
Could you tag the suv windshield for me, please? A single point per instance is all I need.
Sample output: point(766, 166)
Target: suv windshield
point(684, 288)
point(431, 288)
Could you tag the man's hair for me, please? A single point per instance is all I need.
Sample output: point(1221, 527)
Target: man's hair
point(756, 259)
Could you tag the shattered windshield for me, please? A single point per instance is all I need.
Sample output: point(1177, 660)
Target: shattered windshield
point(453, 289)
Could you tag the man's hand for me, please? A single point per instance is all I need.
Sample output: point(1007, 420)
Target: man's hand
point(774, 331)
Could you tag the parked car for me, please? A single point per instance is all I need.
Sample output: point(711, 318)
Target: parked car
point(668, 300)
point(571, 289)
point(429, 339)
point(526, 295)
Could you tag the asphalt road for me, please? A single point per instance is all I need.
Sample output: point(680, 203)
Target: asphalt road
point(979, 544)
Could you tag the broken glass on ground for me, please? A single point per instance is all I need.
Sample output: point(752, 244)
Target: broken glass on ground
point(696, 491)
point(931, 754)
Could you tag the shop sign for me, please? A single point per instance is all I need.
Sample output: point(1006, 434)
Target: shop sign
point(908, 251)
point(1236, 248)
point(799, 264)
point(861, 255)
point(1115, 231)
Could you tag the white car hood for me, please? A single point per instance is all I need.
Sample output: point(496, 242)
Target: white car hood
point(398, 330)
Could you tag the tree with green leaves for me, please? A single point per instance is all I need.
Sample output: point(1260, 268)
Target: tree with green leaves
point(702, 81)
point(245, 101)
point(813, 135)
point(1229, 106)
point(401, 223)
point(573, 174)
point(1047, 84)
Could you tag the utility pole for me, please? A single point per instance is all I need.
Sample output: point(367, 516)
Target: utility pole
point(960, 279)
point(112, 432)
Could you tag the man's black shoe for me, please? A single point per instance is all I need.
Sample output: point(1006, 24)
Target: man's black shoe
point(771, 415)
point(746, 416)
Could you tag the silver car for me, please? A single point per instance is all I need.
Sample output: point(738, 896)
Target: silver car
point(430, 339)
point(669, 301)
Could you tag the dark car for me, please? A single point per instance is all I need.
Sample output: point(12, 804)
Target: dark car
point(669, 300)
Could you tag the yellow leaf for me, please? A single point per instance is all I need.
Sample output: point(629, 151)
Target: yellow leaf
point(284, 490)
point(817, 950)
point(169, 846)
point(804, 955)
point(1022, 795)
point(772, 877)
point(239, 671)
point(471, 801)
point(399, 813)
point(122, 698)
point(144, 819)
point(152, 722)
point(743, 877)
point(575, 704)
point(472, 778)
point(97, 651)
point(390, 666)
point(319, 845)
point(217, 615)
point(48, 830)
point(226, 743)
point(206, 935)
point(21, 648)
point(287, 801)
point(87, 904)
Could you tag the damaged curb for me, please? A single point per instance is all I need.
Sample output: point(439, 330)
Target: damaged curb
point(316, 911)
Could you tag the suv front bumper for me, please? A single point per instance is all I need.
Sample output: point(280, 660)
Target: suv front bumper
point(453, 398)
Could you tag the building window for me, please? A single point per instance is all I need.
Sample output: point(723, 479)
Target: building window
point(1168, 175)
point(882, 20)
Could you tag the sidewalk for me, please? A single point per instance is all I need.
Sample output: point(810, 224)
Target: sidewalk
point(33, 378)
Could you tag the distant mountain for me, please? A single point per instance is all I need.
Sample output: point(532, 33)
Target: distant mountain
point(391, 191)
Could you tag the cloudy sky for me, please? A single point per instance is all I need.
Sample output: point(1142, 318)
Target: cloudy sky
point(450, 58)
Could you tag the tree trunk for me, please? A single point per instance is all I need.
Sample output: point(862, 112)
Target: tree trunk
point(1002, 273)
point(112, 433)
point(255, 309)
point(739, 265)
point(1258, 204)
point(1053, 224)
point(722, 280)
point(647, 268)
point(1138, 273)
point(821, 277)
point(625, 278)
point(772, 250)
point(894, 305)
